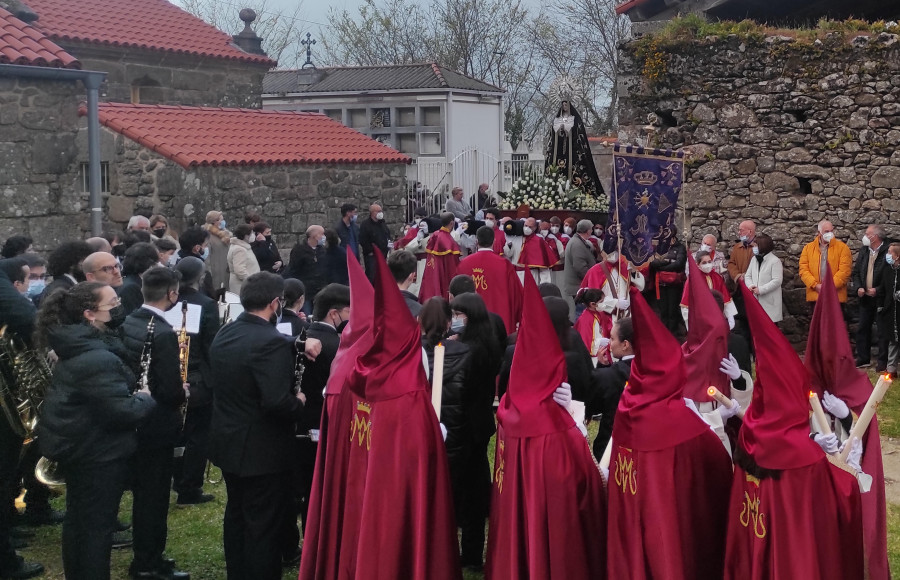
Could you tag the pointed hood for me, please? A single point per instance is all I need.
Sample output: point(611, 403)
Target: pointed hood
point(829, 356)
point(358, 335)
point(776, 427)
point(652, 414)
point(393, 364)
point(538, 368)
point(707, 339)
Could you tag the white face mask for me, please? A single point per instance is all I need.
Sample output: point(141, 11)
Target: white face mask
point(545, 233)
point(598, 232)
point(705, 248)
point(828, 236)
point(490, 223)
point(567, 230)
point(745, 239)
point(554, 230)
point(379, 216)
point(612, 257)
point(866, 241)
point(706, 268)
point(527, 231)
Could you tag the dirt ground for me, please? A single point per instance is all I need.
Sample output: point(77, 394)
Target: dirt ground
point(890, 452)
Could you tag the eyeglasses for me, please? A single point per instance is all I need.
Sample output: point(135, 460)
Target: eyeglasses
point(108, 307)
point(110, 269)
point(37, 276)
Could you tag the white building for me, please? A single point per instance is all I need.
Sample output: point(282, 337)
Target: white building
point(449, 123)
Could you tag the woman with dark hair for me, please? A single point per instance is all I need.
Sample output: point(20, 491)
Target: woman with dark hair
point(294, 297)
point(265, 250)
point(16, 246)
point(456, 394)
point(138, 259)
point(335, 258)
point(764, 276)
point(476, 330)
point(569, 151)
point(88, 419)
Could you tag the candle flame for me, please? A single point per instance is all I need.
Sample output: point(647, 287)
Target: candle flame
point(812, 394)
point(886, 376)
point(711, 391)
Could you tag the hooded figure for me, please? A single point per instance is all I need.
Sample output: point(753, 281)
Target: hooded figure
point(399, 509)
point(829, 360)
point(441, 262)
point(323, 547)
point(547, 504)
point(669, 476)
point(792, 514)
point(568, 149)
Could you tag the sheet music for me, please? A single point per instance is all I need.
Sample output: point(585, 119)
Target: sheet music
point(173, 317)
point(285, 328)
point(235, 310)
point(232, 298)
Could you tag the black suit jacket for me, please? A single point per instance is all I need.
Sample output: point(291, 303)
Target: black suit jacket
point(130, 293)
point(606, 389)
point(198, 362)
point(254, 410)
point(316, 375)
point(858, 277)
point(163, 424)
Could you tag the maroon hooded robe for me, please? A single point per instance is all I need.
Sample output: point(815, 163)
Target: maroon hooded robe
point(441, 262)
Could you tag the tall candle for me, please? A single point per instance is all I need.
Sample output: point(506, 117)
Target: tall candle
point(819, 413)
point(720, 397)
point(437, 382)
point(865, 417)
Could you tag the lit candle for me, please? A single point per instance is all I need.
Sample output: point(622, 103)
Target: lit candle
point(819, 413)
point(720, 397)
point(437, 382)
point(865, 417)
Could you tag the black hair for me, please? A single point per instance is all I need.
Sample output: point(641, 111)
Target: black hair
point(402, 263)
point(242, 231)
point(192, 237)
point(139, 258)
point(165, 245)
point(112, 235)
point(34, 261)
point(764, 243)
point(294, 290)
point(15, 245)
point(479, 332)
point(133, 237)
point(590, 295)
point(66, 307)
point(546, 289)
point(157, 282)
point(461, 284)
point(333, 296)
point(260, 289)
point(14, 268)
point(252, 217)
point(493, 211)
point(260, 227)
point(485, 237)
point(559, 316)
point(720, 300)
point(331, 238)
point(625, 328)
point(347, 208)
point(66, 257)
point(434, 319)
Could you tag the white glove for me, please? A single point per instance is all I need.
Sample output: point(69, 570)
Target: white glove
point(423, 227)
point(828, 443)
point(835, 406)
point(443, 431)
point(730, 367)
point(623, 304)
point(563, 395)
point(727, 413)
point(604, 342)
point(856, 449)
point(390, 245)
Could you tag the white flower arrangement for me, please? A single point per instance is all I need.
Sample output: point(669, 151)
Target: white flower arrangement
point(553, 191)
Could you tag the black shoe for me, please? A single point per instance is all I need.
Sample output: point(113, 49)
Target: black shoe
point(861, 364)
point(291, 560)
point(22, 569)
point(121, 540)
point(193, 499)
point(122, 526)
point(161, 575)
point(18, 543)
point(43, 518)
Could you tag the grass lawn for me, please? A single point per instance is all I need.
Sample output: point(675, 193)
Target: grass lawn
point(195, 533)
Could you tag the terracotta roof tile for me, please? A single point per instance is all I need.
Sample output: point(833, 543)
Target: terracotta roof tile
point(149, 24)
point(197, 136)
point(26, 45)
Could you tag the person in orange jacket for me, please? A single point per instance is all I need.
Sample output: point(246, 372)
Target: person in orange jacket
point(813, 259)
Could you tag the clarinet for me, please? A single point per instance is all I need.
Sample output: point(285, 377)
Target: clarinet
point(146, 357)
point(299, 361)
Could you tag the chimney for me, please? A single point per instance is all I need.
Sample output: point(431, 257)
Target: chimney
point(20, 10)
point(247, 40)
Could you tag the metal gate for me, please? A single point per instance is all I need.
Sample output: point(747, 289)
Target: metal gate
point(429, 182)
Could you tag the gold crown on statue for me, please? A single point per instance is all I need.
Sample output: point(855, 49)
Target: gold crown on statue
point(363, 406)
point(645, 177)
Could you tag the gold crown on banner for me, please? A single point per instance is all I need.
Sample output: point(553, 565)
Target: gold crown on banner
point(645, 177)
point(363, 406)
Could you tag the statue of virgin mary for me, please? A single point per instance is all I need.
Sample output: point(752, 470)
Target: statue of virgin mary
point(568, 149)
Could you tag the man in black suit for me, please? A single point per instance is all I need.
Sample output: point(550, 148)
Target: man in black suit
point(253, 428)
point(866, 278)
point(64, 265)
point(373, 233)
point(609, 383)
point(332, 311)
point(157, 435)
point(190, 468)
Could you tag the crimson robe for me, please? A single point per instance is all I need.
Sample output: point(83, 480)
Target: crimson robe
point(411, 235)
point(535, 253)
point(499, 241)
point(807, 523)
point(707, 340)
point(584, 325)
point(714, 281)
point(441, 262)
point(497, 283)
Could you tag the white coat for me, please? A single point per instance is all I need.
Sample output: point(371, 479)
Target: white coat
point(767, 277)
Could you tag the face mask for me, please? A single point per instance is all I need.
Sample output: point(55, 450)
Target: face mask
point(268, 238)
point(612, 257)
point(251, 238)
point(379, 216)
point(353, 219)
point(116, 317)
point(706, 268)
point(35, 287)
point(704, 248)
point(159, 232)
point(887, 258)
point(755, 251)
point(527, 231)
point(221, 224)
point(554, 230)
point(567, 230)
point(457, 325)
point(205, 254)
point(275, 319)
point(866, 241)
point(490, 223)
point(173, 259)
point(598, 232)
point(828, 236)
point(321, 241)
point(545, 233)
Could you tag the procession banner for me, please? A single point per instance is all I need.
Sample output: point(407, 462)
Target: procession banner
point(646, 185)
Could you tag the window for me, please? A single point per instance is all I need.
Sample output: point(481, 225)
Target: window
point(430, 143)
point(358, 118)
point(336, 114)
point(431, 116)
point(406, 143)
point(380, 118)
point(84, 176)
point(406, 117)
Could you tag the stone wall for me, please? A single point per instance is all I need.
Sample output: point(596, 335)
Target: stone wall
point(290, 198)
point(782, 132)
point(38, 162)
point(170, 79)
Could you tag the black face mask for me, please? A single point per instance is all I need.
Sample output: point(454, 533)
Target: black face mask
point(116, 317)
point(159, 232)
point(269, 238)
point(342, 326)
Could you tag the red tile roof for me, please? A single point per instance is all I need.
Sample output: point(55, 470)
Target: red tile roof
point(197, 136)
point(148, 24)
point(24, 44)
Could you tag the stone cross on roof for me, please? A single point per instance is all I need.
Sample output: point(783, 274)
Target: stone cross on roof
point(308, 44)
